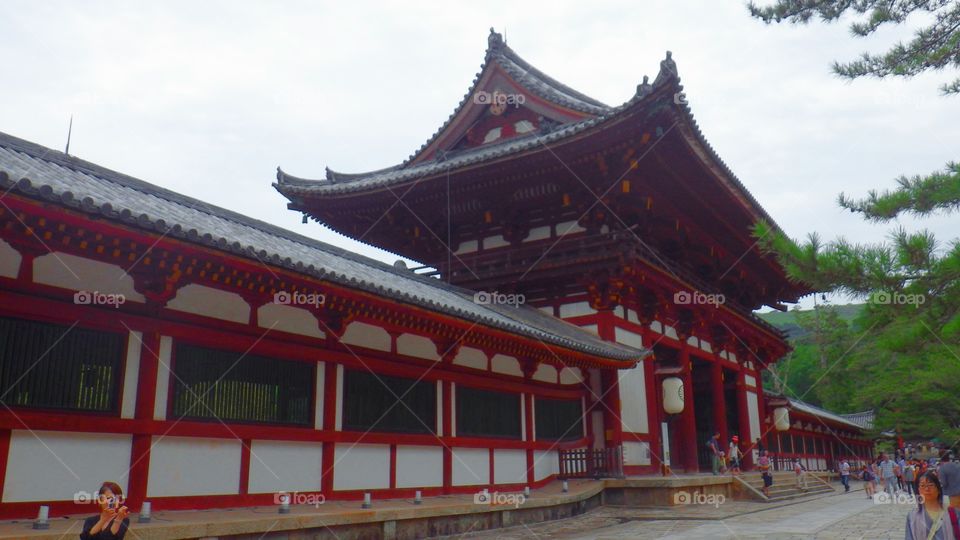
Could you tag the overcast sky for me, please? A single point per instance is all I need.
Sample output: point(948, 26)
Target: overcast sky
point(208, 98)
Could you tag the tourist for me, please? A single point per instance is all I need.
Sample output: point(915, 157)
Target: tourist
point(910, 477)
point(112, 522)
point(734, 455)
point(716, 453)
point(888, 475)
point(901, 464)
point(867, 476)
point(949, 473)
point(929, 521)
point(845, 475)
point(764, 465)
point(801, 472)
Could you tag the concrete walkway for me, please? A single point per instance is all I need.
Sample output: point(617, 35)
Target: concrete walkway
point(841, 515)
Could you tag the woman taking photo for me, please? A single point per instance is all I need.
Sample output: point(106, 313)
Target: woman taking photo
point(930, 520)
point(112, 522)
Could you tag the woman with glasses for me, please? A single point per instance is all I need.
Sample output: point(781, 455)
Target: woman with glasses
point(931, 520)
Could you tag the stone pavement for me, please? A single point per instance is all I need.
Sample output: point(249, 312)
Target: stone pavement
point(839, 516)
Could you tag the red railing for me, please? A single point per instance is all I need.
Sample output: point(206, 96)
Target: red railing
point(592, 463)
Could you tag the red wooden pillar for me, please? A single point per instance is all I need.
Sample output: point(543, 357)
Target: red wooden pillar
point(688, 426)
point(143, 415)
point(528, 434)
point(748, 438)
point(330, 397)
point(719, 403)
point(447, 436)
point(654, 410)
point(610, 386)
point(761, 407)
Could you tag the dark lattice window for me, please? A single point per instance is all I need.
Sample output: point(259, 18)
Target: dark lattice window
point(558, 419)
point(50, 366)
point(211, 384)
point(484, 413)
point(383, 403)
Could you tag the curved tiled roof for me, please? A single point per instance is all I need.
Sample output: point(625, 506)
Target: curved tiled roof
point(46, 174)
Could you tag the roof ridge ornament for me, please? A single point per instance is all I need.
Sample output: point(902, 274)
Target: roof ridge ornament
point(668, 71)
point(495, 41)
point(644, 88)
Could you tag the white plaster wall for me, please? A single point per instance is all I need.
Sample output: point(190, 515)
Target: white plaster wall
point(492, 242)
point(571, 375)
point(753, 413)
point(210, 302)
point(362, 466)
point(545, 463)
point(576, 309)
point(338, 414)
point(440, 408)
point(9, 260)
point(636, 453)
point(54, 465)
point(81, 274)
point(131, 373)
point(671, 332)
point(656, 327)
point(569, 227)
point(633, 399)
point(546, 373)
point(627, 337)
point(366, 335)
point(163, 378)
point(705, 345)
point(418, 346)
point(509, 466)
point(508, 365)
point(193, 466)
point(693, 341)
point(471, 466)
point(419, 466)
point(321, 377)
point(467, 246)
point(470, 357)
point(538, 233)
point(749, 380)
point(284, 466)
point(293, 319)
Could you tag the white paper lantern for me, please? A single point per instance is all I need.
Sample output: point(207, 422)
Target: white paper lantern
point(673, 395)
point(781, 418)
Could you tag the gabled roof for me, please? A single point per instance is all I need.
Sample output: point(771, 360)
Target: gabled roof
point(813, 410)
point(48, 175)
point(502, 69)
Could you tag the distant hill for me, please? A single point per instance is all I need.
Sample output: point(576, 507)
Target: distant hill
point(787, 321)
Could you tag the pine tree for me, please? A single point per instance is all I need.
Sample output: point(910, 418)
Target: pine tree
point(906, 365)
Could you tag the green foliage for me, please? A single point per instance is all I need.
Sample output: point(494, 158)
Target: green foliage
point(934, 46)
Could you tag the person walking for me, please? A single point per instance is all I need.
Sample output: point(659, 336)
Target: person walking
point(734, 455)
point(867, 476)
point(930, 520)
point(910, 477)
point(801, 472)
point(950, 479)
point(888, 475)
point(901, 464)
point(845, 475)
point(764, 465)
point(716, 453)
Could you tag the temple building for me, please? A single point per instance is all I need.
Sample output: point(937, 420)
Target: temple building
point(590, 285)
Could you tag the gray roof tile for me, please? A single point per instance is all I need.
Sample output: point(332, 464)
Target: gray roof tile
point(40, 172)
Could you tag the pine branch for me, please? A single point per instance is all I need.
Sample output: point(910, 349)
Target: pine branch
point(919, 196)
